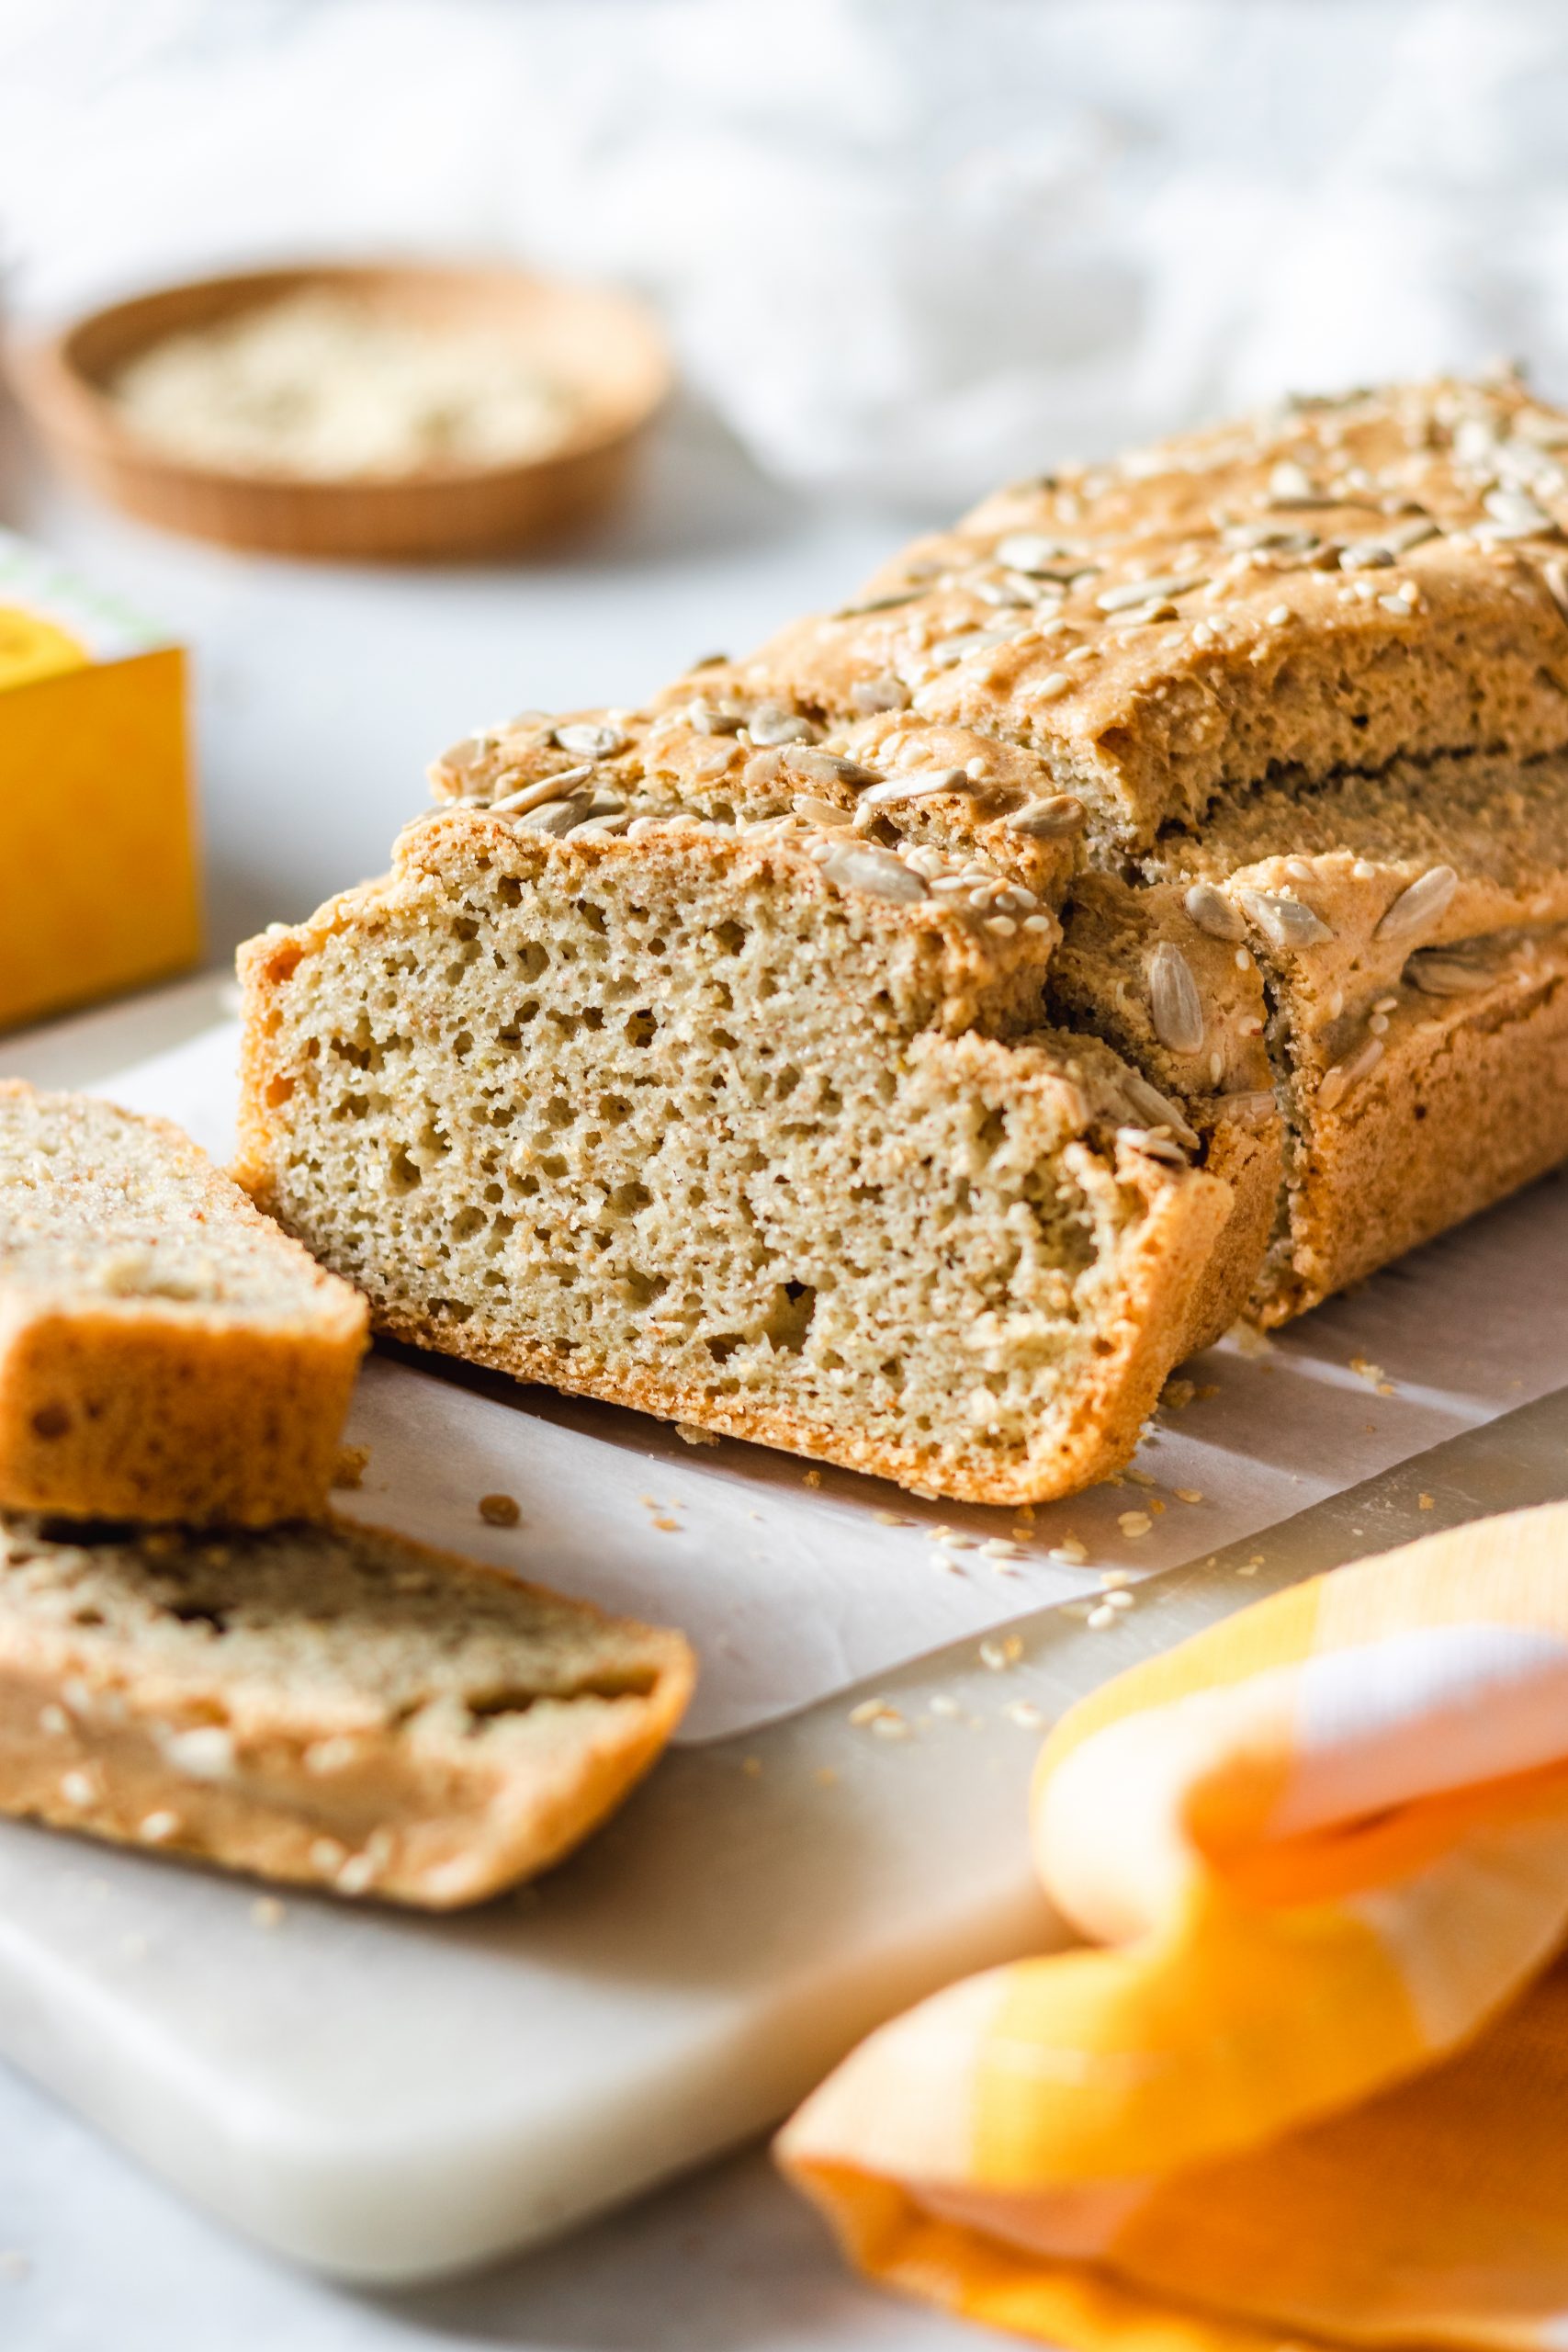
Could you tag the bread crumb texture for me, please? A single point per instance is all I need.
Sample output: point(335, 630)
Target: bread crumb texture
point(1146, 901)
point(328, 1705)
point(165, 1352)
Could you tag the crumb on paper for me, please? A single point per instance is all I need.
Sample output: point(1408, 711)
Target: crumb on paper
point(689, 1434)
point(876, 1716)
point(1373, 1375)
point(1176, 1395)
point(1249, 1341)
point(752, 1767)
point(1424, 1502)
point(266, 1911)
point(1135, 1523)
point(1156, 1506)
point(499, 1511)
point(999, 1651)
point(1024, 1712)
point(1141, 1477)
point(825, 1777)
point(353, 1461)
point(667, 1526)
point(812, 1479)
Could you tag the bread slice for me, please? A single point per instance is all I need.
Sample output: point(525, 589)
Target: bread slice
point(760, 1130)
point(165, 1352)
point(323, 1703)
point(1385, 959)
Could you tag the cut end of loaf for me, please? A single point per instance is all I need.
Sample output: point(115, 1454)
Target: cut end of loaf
point(711, 1128)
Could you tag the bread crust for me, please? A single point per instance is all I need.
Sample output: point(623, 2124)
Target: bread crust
point(154, 1408)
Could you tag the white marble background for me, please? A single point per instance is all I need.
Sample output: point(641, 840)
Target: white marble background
point(905, 245)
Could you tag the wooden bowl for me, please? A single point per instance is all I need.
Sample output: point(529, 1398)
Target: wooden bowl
point(606, 346)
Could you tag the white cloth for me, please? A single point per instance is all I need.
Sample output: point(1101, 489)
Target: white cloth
point(907, 246)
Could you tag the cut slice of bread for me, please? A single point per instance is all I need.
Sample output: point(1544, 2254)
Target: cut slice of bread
point(326, 1703)
point(759, 1131)
point(165, 1352)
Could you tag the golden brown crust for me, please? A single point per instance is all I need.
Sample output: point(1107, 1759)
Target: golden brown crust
point(120, 1402)
point(107, 1733)
point(1460, 1110)
point(1333, 585)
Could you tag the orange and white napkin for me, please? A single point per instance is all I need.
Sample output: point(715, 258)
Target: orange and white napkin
point(1308, 2081)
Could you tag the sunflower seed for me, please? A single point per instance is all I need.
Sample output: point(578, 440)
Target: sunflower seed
point(1250, 1110)
point(1043, 820)
point(1422, 903)
point(557, 819)
point(589, 741)
point(1157, 1109)
point(1175, 1006)
point(544, 789)
point(874, 870)
point(1336, 1083)
point(1002, 593)
point(872, 695)
point(613, 821)
point(1436, 972)
point(823, 812)
point(1147, 592)
point(1365, 555)
point(1153, 1146)
point(1029, 551)
point(1516, 515)
point(888, 603)
point(950, 650)
point(1285, 922)
point(775, 722)
point(916, 786)
point(1212, 912)
point(825, 767)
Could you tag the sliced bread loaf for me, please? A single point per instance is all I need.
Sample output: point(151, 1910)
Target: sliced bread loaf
point(323, 1703)
point(165, 1352)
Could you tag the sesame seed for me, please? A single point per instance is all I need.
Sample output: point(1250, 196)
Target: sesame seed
point(1189, 1494)
point(1100, 1617)
point(945, 1703)
point(1135, 1523)
point(999, 1651)
point(78, 1788)
point(1024, 1712)
point(153, 1828)
point(1277, 616)
point(1069, 1552)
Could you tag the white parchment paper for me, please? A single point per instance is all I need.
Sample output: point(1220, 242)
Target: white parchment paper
point(792, 1590)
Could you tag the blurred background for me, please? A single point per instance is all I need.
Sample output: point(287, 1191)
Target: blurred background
point(903, 248)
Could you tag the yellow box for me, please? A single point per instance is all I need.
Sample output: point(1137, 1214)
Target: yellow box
point(98, 888)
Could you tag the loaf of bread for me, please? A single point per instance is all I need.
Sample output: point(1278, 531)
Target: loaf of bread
point(322, 1704)
point(1146, 902)
point(165, 1352)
